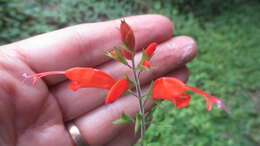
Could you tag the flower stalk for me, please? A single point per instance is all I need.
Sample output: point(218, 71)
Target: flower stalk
point(140, 99)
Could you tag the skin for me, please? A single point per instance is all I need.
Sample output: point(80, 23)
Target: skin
point(35, 114)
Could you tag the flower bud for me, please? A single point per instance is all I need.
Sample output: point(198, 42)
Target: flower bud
point(127, 35)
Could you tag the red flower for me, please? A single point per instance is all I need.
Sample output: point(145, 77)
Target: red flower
point(172, 89)
point(150, 49)
point(117, 90)
point(82, 78)
point(88, 78)
point(127, 35)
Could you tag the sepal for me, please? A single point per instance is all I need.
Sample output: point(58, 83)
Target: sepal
point(117, 55)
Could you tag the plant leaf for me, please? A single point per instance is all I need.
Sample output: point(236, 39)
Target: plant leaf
point(138, 119)
point(124, 118)
point(149, 91)
point(121, 58)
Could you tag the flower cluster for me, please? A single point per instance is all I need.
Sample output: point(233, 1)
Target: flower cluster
point(167, 88)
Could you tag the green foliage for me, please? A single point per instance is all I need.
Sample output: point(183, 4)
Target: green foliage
point(227, 65)
point(205, 9)
point(23, 18)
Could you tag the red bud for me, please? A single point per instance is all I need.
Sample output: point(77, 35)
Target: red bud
point(127, 35)
point(150, 49)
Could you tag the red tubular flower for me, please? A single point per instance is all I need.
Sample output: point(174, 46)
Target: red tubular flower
point(81, 78)
point(127, 35)
point(88, 78)
point(172, 89)
point(150, 49)
point(167, 88)
point(117, 90)
point(182, 101)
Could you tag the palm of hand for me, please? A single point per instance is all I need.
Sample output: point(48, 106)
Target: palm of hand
point(29, 114)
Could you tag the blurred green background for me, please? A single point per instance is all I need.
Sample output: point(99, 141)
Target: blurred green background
point(228, 64)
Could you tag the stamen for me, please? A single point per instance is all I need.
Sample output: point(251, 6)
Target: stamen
point(220, 104)
point(36, 77)
point(209, 99)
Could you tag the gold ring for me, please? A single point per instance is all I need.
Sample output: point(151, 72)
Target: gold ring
point(76, 135)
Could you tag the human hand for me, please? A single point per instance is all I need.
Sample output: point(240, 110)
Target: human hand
point(37, 114)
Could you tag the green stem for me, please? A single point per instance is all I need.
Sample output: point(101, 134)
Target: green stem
point(140, 100)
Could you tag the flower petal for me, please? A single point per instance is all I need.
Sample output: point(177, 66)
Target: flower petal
point(117, 90)
point(89, 78)
point(182, 101)
point(167, 88)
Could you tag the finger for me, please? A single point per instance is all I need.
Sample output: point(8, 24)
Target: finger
point(126, 137)
point(86, 44)
point(97, 127)
point(167, 58)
